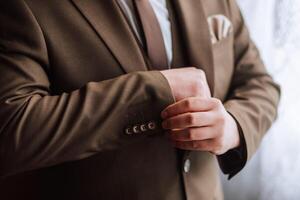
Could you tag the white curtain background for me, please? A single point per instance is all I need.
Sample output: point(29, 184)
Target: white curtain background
point(274, 172)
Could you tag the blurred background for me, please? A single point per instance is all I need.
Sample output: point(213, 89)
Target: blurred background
point(274, 172)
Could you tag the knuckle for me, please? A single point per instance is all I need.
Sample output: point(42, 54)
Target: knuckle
point(191, 119)
point(195, 145)
point(191, 134)
point(218, 105)
point(188, 104)
point(201, 73)
point(217, 102)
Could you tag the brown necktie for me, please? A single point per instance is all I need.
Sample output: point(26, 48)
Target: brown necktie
point(153, 35)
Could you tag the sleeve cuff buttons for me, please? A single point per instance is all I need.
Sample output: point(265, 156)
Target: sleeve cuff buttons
point(142, 128)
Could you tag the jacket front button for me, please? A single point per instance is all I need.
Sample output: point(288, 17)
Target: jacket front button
point(187, 166)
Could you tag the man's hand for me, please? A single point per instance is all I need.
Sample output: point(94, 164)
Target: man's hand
point(201, 124)
point(187, 82)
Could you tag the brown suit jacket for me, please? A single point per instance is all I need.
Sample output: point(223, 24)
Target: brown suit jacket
point(73, 78)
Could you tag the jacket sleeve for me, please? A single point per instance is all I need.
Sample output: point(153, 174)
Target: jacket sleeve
point(39, 129)
point(253, 97)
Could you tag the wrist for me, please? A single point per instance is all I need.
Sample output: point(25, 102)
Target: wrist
point(236, 141)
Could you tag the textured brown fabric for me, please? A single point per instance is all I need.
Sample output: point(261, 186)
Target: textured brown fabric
point(154, 39)
point(73, 78)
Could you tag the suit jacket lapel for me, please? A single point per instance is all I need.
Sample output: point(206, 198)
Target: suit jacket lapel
point(195, 30)
point(110, 24)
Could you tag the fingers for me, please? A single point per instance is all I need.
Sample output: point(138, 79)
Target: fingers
point(193, 104)
point(210, 145)
point(201, 124)
point(198, 139)
point(189, 120)
point(204, 145)
point(192, 134)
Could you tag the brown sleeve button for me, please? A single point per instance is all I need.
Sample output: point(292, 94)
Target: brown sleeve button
point(128, 131)
point(136, 129)
point(152, 125)
point(143, 128)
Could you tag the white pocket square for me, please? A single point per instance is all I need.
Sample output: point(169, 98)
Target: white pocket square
point(219, 27)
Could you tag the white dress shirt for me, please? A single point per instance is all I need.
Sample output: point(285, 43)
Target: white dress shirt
point(162, 14)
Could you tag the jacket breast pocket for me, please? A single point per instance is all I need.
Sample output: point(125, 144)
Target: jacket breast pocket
point(223, 54)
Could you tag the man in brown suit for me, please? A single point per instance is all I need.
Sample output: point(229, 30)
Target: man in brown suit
point(92, 105)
